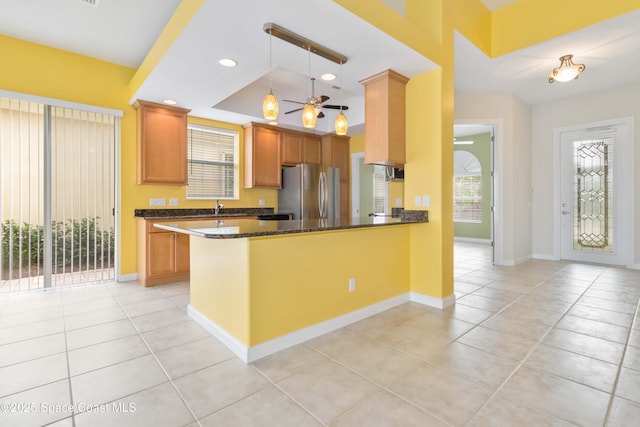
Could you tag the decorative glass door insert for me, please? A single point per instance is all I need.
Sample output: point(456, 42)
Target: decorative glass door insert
point(593, 195)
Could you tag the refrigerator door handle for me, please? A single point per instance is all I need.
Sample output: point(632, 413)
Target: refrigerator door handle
point(322, 194)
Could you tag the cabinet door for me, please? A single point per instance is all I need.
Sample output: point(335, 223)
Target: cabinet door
point(162, 144)
point(291, 148)
point(345, 199)
point(161, 254)
point(311, 150)
point(341, 157)
point(263, 156)
point(182, 252)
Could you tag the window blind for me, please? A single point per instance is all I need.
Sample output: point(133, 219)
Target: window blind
point(212, 164)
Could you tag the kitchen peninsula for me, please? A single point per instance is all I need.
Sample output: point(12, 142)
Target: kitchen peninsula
point(262, 286)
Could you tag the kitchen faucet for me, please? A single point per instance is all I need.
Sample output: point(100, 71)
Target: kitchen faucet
point(216, 211)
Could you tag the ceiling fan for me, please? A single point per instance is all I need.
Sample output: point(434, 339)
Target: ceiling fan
point(317, 102)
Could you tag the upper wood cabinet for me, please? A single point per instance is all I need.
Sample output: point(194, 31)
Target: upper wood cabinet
point(312, 150)
point(262, 157)
point(161, 143)
point(292, 143)
point(335, 152)
point(384, 119)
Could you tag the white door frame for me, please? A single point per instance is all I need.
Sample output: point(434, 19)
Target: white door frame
point(623, 156)
point(497, 227)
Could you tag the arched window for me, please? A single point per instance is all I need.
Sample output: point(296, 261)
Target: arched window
point(467, 187)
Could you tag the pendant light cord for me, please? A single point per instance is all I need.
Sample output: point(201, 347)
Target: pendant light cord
point(270, 55)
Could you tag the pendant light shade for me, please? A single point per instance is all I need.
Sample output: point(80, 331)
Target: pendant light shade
point(309, 116)
point(342, 125)
point(270, 102)
point(270, 106)
point(566, 71)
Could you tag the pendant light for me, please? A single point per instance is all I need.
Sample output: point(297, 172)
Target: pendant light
point(309, 114)
point(270, 102)
point(341, 124)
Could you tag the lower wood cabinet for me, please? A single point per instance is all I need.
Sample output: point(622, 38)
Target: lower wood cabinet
point(162, 256)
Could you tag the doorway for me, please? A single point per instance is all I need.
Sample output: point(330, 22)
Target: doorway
point(58, 193)
point(596, 192)
point(474, 185)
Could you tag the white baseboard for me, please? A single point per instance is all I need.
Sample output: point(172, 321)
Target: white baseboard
point(472, 240)
point(432, 301)
point(634, 266)
point(545, 257)
point(522, 259)
point(251, 354)
point(127, 277)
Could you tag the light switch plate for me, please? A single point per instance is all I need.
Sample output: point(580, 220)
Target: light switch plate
point(262, 202)
point(173, 202)
point(157, 202)
point(426, 201)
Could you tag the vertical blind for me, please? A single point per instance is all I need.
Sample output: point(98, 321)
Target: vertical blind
point(212, 160)
point(57, 199)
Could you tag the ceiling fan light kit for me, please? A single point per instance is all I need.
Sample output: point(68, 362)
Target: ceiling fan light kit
point(567, 70)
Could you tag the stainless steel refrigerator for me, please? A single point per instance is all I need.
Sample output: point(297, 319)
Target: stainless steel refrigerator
point(310, 192)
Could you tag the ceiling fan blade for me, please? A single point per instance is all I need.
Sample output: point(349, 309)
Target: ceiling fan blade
point(295, 102)
point(320, 115)
point(335, 107)
point(293, 111)
point(323, 98)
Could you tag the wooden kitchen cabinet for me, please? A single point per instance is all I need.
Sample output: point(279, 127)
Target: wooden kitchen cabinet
point(161, 143)
point(312, 150)
point(335, 152)
point(162, 256)
point(384, 119)
point(292, 143)
point(262, 157)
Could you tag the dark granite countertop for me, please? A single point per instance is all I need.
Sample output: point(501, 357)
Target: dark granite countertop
point(198, 213)
point(225, 229)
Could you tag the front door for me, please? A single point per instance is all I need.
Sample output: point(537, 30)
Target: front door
point(595, 193)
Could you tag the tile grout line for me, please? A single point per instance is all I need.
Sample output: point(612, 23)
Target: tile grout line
point(535, 347)
point(155, 357)
point(620, 365)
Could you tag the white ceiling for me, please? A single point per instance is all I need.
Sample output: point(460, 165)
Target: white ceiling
point(123, 31)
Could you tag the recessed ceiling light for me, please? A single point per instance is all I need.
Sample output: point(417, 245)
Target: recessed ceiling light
point(328, 77)
point(227, 62)
point(169, 102)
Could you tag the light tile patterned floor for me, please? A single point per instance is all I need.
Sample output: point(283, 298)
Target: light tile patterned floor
point(542, 343)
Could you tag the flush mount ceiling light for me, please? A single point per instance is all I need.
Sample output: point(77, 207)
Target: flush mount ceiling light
point(169, 102)
point(270, 102)
point(566, 71)
point(228, 62)
point(328, 77)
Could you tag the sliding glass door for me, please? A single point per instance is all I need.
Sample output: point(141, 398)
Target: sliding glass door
point(58, 191)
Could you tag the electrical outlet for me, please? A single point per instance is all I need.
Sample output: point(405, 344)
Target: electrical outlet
point(352, 284)
point(417, 200)
point(157, 202)
point(262, 202)
point(426, 201)
point(173, 202)
point(398, 202)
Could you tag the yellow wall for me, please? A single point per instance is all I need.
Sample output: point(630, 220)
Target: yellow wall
point(261, 288)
